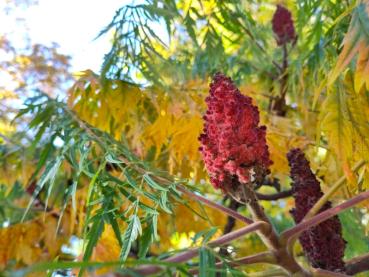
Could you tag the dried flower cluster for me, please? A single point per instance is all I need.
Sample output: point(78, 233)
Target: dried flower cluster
point(233, 146)
point(283, 26)
point(322, 244)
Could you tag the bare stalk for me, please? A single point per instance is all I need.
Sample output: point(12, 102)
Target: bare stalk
point(292, 234)
point(318, 205)
point(269, 236)
point(325, 273)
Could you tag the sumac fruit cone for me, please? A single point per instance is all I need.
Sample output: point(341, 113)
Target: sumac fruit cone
point(322, 244)
point(233, 145)
point(283, 26)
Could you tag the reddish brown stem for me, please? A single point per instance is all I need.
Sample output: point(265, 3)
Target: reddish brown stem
point(295, 231)
point(269, 236)
point(357, 264)
point(280, 102)
point(325, 273)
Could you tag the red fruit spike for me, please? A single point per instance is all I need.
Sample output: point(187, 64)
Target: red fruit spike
point(283, 26)
point(228, 144)
point(322, 244)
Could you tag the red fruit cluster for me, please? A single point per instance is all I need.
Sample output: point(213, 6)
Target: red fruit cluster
point(322, 244)
point(233, 146)
point(283, 26)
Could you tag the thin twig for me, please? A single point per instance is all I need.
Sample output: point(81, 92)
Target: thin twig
point(275, 196)
point(258, 45)
point(214, 205)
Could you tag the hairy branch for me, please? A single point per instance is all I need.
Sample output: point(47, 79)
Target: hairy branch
point(270, 237)
point(325, 273)
point(291, 234)
point(357, 264)
point(318, 205)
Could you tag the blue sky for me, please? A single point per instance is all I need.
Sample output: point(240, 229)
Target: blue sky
point(73, 24)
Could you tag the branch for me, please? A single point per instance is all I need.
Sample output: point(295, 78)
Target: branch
point(275, 196)
point(358, 264)
point(231, 221)
point(318, 205)
point(295, 231)
point(325, 273)
point(189, 254)
point(270, 237)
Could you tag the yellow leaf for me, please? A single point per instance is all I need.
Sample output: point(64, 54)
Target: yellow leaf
point(356, 42)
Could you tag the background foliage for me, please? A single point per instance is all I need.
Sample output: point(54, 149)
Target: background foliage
point(81, 168)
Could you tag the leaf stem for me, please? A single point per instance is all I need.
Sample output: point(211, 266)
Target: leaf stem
point(214, 205)
point(263, 257)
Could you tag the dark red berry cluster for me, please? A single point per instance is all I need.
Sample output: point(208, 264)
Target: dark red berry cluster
point(233, 146)
point(322, 244)
point(283, 26)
